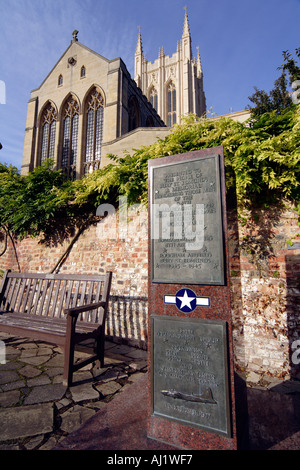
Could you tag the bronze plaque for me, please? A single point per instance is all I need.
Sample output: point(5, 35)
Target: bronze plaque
point(186, 222)
point(190, 372)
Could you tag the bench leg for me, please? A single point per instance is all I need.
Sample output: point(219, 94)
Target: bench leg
point(100, 347)
point(69, 352)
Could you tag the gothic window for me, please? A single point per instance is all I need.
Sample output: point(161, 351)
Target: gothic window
point(171, 104)
point(60, 80)
point(154, 98)
point(149, 121)
point(82, 72)
point(70, 118)
point(94, 130)
point(134, 115)
point(48, 128)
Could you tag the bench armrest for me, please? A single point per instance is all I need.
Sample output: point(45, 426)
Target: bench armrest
point(73, 312)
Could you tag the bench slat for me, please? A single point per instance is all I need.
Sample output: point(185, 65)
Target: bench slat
point(28, 286)
point(37, 297)
point(69, 292)
point(32, 288)
point(68, 277)
point(57, 288)
point(50, 290)
point(42, 323)
point(10, 291)
point(62, 295)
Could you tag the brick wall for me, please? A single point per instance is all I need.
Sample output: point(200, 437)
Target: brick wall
point(265, 281)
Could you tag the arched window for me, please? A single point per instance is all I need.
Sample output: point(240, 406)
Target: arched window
point(149, 121)
point(48, 128)
point(133, 114)
point(94, 130)
point(70, 118)
point(60, 80)
point(171, 105)
point(82, 72)
point(154, 98)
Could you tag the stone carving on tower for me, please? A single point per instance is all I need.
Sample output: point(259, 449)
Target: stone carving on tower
point(173, 85)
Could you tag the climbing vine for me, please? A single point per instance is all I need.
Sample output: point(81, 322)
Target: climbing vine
point(262, 163)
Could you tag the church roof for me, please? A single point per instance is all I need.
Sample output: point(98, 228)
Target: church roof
point(79, 44)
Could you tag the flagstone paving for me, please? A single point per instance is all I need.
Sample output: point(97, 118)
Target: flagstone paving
point(37, 410)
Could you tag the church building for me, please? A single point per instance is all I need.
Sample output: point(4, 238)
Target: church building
point(89, 106)
point(173, 85)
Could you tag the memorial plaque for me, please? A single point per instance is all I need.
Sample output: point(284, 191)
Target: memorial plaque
point(189, 372)
point(186, 222)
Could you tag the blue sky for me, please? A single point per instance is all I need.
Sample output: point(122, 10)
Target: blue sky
point(240, 43)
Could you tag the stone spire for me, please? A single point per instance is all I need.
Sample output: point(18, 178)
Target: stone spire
point(186, 27)
point(138, 60)
point(186, 40)
point(198, 64)
point(139, 47)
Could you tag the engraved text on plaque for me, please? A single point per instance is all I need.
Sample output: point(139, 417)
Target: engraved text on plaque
point(186, 222)
point(190, 375)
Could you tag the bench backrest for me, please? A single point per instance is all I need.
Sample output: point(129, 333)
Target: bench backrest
point(49, 294)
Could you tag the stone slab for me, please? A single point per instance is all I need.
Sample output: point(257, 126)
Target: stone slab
point(45, 393)
point(108, 388)
point(8, 376)
point(121, 425)
point(83, 392)
point(74, 418)
point(26, 421)
point(9, 398)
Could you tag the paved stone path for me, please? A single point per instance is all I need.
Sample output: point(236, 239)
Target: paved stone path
point(36, 409)
point(37, 412)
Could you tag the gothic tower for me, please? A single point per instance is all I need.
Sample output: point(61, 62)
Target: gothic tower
point(173, 85)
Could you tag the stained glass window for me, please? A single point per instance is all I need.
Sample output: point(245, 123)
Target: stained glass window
point(48, 128)
point(171, 105)
point(94, 131)
point(70, 137)
point(154, 98)
point(134, 115)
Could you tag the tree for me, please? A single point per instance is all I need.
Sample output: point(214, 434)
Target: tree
point(279, 98)
point(289, 65)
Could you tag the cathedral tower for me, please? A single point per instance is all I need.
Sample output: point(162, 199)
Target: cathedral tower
point(173, 85)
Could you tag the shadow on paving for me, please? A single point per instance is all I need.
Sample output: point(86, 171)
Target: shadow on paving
point(274, 417)
point(107, 408)
point(37, 410)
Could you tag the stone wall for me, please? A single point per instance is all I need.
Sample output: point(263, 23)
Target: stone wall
point(265, 281)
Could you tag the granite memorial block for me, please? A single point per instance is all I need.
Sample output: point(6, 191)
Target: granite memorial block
point(191, 379)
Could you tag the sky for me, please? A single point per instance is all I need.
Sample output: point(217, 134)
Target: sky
point(240, 44)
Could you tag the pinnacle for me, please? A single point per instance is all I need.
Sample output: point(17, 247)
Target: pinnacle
point(139, 47)
point(186, 28)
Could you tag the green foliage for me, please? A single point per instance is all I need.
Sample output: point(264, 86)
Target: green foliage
point(27, 203)
point(279, 97)
point(262, 159)
point(290, 65)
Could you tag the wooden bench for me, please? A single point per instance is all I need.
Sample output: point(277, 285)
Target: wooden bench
point(64, 309)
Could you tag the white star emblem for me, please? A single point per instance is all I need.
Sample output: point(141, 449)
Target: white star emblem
point(186, 300)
